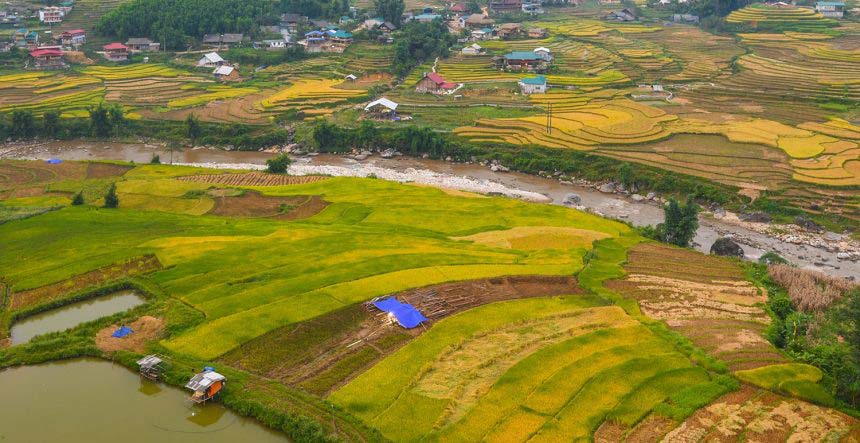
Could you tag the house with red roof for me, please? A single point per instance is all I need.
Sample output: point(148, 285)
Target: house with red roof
point(434, 83)
point(47, 58)
point(73, 37)
point(115, 52)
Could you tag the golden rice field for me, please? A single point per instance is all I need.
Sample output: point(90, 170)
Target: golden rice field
point(787, 17)
point(315, 96)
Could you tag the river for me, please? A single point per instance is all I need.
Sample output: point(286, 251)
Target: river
point(468, 176)
point(94, 401)
point(71, 315)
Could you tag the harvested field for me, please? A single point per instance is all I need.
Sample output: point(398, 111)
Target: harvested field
point(323, 353)
point(756, 415)
point(705, 298)
point(146, 329)
point(253, 204)
point(48, 293)
point(17, 173)
point(253, 179)
point(105, 170)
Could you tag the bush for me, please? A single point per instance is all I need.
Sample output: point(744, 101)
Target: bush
point(111, 199)
point(279, 164)
point(809, 290)
point(78, 199)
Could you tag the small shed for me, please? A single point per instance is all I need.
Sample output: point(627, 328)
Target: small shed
point(544, 53)
point(211, 60)
point(473, 49)
point(150, 367)
point(206, 385)
point(226, 73)
point(351, 78)
point(382, 107)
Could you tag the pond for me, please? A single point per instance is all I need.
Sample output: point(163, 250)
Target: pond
point(71, 315)
point(86, 400)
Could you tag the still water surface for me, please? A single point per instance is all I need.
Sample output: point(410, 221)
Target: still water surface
point(95, 401)
point(71, 315)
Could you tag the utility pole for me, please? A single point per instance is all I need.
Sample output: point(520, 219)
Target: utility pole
point(549, 119)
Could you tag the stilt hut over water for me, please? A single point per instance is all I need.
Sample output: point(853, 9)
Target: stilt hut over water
point(150, 367)
point(206, 385)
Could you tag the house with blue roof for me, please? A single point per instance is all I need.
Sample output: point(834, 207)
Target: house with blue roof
point(830, 9)
point(533, 85)
point(426, 18)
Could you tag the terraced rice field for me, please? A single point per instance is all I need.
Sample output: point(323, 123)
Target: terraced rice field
point(253, 179)
point(705, 298)
point(313, 96)
point(786, 17)
point(529, 370)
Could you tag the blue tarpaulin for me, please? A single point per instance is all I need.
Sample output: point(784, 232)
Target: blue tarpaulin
point(122, 332)
point(406, 314)
point(54, 161)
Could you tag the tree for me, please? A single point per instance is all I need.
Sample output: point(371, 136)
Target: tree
point(366, 136)
point(626, 176)
point(155, 159)
point(420, 42)
point(681, 222)
point(100, 123)
point(23, 124)
point(111, 199)
point(51, 125)
point(173, 146)
point(390, 10)
point(78, 199)
point(116, 118)
point(473, 7)
point(192, 128)
point(279, 164)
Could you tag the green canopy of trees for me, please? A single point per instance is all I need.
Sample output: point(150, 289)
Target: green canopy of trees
point(177, 23)
point(420, 42)
point(390, 10)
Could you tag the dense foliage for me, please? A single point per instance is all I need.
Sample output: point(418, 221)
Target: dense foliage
point(279, 164)
point(828, 338)
point(316, 8)
point(390, 10)
point(178, 23)
point(420, 42)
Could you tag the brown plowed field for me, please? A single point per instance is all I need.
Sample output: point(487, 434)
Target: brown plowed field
point(252, 204)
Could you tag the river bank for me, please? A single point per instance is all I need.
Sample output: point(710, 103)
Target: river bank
point(833, 253)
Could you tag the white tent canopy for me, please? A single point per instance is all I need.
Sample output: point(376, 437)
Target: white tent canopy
point(381, 102)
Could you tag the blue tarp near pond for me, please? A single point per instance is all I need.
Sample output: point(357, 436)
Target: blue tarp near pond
point(123, 331)
point(406, 314)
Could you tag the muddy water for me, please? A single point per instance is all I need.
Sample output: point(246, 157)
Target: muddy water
point(95, 401)
point(637, 213)
point(71, 315)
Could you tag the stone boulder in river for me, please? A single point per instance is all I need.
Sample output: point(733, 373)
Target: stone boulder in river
point(572, 200)
point(726, 247)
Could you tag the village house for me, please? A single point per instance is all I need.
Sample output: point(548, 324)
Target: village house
point(226, 73)
point(339, 40)
point(482, 34)
point(537, 33)
point(73, 38)
point(434, 83)
point(532, 8)
point(520, 60)
point(506, 5)
point(47, 58)
point(9, 19)
point(292, 21)
point(544, 54)
point(387, 27)
point(533, 85)
point(609, 2)
point(138, 44)
point(211, 60)
point(372, 23)
point(477, 21)
point(330, 40)
point(624, 15)
point(426, 18)
point(223, 40)
point(685, 18)
point(115, 52)
point(459, 8)
point(51, 15)
point(272, 45)
point(473, 49)
point(830, 9)
point(25, 37)
point(509, 30)
point(382, 108)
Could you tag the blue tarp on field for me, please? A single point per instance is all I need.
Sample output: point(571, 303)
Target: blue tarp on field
point(123, 331)
point(53, 161)
point(406, 314)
